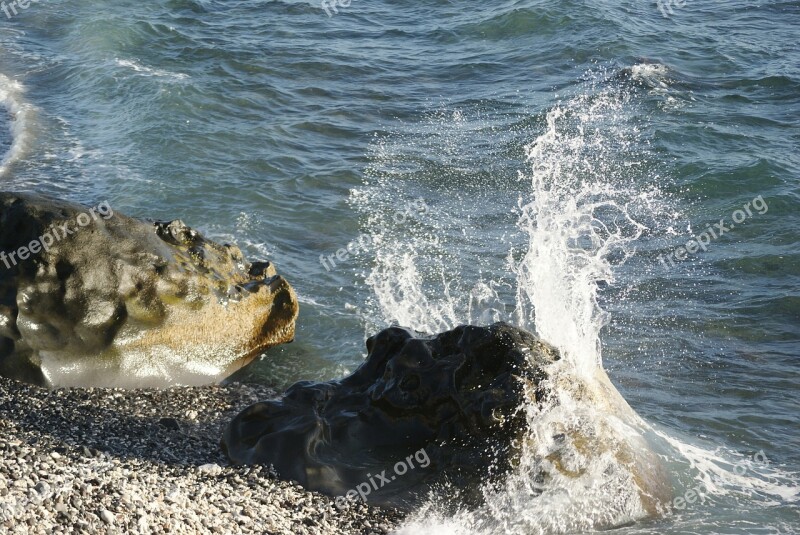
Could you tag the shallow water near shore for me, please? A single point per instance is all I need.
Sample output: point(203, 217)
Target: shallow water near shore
point(533, 162)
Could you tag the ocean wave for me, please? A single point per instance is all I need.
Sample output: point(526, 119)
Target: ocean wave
point(22, 116)
point(586, 462)
point(149, 71)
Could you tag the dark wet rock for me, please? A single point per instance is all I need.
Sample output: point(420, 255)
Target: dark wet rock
point(98, 298)
point(170, 423)
point(448, 407)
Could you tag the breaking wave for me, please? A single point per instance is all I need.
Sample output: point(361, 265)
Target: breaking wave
point(586, 199)
point(21, 116)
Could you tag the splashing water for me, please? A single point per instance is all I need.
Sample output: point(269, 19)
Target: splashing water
point(589, 461)
point(585, 463)
point(22, 116)
point(432, 272)
point(582, 220)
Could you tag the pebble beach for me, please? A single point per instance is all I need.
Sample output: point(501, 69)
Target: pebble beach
point(148, 461)
point(187, 186)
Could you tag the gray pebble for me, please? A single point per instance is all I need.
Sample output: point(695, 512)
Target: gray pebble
point(42, 488)
point(106, 516)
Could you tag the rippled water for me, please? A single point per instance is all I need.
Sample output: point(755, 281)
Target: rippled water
point(534, 161)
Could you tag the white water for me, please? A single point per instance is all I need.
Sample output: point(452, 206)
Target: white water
point(584, 210)
point(137, 67)
point(581, 208)
point(21, 116)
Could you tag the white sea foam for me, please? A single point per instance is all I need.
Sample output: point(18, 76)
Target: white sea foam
point(658, 79)
point(586, 461)
point(655, 74)
point(149, 71)
point(22, 116)
point(721, 472)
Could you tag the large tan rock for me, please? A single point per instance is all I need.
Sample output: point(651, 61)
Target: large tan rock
point(89, 297)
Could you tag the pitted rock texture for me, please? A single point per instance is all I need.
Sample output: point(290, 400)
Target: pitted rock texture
point(455, 396)
point(109, 300)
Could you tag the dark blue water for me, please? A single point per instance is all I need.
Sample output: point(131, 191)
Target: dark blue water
point(293, 133)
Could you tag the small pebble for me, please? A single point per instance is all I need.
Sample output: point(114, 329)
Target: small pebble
point(210, 468)
point(170, 423)
point(42, 488)
point(106, 516)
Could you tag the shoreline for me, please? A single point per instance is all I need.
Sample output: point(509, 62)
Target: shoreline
point(148, 461)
